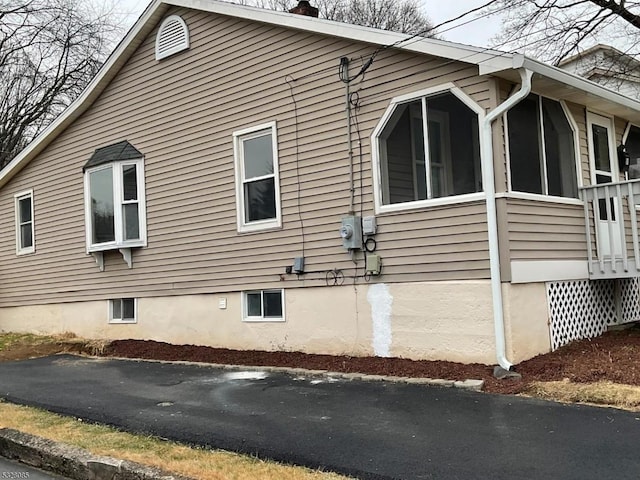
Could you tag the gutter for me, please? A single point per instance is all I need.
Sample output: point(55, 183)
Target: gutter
point(488, 181)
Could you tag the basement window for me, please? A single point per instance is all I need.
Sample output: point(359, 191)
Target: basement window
point(172, 37)
point(122, 310)
point(263, 306)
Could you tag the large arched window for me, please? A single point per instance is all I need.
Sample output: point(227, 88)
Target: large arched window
point(427, 148)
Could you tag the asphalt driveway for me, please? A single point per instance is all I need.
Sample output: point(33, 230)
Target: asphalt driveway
point(368, 430)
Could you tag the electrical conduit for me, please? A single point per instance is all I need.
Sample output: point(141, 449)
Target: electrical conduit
point(488, 181)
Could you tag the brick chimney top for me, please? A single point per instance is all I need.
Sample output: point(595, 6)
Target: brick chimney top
point(305, 8)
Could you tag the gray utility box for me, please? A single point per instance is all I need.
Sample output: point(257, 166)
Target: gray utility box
point(351, 232)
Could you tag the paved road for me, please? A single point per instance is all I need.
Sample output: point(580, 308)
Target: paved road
point(369, 430)
point(11, 470)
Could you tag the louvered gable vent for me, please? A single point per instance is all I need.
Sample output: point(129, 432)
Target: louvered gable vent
point(173, 37)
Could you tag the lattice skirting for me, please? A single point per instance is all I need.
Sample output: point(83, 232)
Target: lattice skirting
point(629, 299)
point(584, 309)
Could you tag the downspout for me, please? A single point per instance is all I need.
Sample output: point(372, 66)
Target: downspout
point(488, 181)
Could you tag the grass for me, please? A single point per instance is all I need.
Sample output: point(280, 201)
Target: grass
point(598, 393)
point(169, 456)
point(8, 340)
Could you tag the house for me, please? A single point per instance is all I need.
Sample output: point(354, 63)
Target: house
point(251, 179)
point(607, 66)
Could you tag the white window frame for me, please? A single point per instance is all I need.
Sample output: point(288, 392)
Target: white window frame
point(262, 318)
point(123, 320)
point(118, 194)
point(20, 250)
point(545, 197)
point(378, 183)
point(238, 137)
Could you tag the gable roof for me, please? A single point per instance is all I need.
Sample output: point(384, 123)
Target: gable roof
point(489, 61)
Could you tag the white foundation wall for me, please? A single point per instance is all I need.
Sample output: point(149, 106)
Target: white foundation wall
point(526, 316)
point(431, 320)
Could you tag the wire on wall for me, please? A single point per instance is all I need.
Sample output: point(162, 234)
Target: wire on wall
point(289, 79)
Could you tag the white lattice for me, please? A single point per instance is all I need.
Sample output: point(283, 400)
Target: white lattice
point(629, 299)
point(580, 309)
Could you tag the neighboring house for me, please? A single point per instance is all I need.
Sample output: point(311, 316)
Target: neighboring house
point(209, 185)
point(607, 66)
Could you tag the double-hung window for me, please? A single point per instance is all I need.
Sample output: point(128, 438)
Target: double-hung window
point(115, 203)
point(257, 182)
point(25, 238)
point(542, 154)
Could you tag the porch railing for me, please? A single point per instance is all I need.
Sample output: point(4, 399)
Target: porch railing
point(611, 221)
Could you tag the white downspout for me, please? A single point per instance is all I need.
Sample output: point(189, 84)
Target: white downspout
point(488, 181)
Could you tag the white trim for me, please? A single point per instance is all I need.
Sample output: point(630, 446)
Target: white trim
point(178, 47)
point(576, 141)
point(379, 185)
point(118, 202)
point(120, 321)
point(434, 202)
point(540, 198)
point(523, 271)
point(262, 319)
point(16, 199)
point(238, 136)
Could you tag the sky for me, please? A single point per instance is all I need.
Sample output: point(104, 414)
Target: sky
point(477, 32)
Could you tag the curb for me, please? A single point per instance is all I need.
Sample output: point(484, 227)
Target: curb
point(468, 384)
point(73, 462)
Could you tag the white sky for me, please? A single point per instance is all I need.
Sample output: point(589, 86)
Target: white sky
point(477, 32)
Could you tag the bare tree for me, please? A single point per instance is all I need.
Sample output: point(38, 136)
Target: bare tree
point(49, 51)
point(554, 29)
point(406, 16)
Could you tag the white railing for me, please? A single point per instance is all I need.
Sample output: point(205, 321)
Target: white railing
point(604, 215)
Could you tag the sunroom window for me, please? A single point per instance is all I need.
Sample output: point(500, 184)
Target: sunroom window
point(541, 148)
point(429, 148)
point(114, 199)
point(633, 150)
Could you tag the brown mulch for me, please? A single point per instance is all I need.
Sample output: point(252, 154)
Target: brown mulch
point(615, 356)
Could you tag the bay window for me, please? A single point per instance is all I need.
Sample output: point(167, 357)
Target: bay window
point(115, 204)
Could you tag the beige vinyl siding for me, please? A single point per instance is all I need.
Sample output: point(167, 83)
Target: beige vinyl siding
point(181, 113)
point(540, 230)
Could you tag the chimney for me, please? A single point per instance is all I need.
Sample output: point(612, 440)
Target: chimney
point(304, 8)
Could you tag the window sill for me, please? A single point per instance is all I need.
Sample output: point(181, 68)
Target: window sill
point(540, 198)
point(26, 251)
point(434, 202)
point(123, 322)
point(263, 320)
point(115, 246)
point(260, 226)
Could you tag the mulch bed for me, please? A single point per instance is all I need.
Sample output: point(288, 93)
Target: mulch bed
point(614, 356)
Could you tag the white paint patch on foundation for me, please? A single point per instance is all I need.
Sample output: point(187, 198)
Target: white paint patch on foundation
point(381, 301)
point(245, 376)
